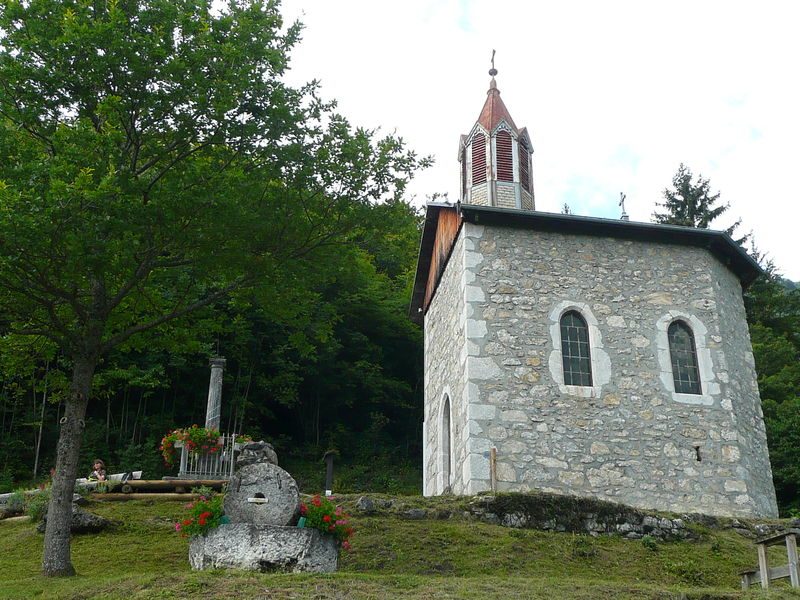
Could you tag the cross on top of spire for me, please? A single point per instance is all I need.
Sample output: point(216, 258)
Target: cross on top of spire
point(493, 71)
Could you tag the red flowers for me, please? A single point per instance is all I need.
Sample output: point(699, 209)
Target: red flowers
point(204, 514)
point(322, 514)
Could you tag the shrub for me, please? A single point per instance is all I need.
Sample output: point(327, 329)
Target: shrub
point(36, 504)
point(330, 519)
point(583, 547)
point(689, 571)
point(650, 543)
point(16, 502)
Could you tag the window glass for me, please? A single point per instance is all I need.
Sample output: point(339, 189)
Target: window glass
point(575, 355)
point(683, 356)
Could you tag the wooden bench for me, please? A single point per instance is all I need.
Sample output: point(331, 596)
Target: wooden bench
point(764, 574)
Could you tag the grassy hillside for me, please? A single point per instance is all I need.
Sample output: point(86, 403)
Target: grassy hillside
point(392, 557)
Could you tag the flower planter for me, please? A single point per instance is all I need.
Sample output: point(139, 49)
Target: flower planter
point(264, 548)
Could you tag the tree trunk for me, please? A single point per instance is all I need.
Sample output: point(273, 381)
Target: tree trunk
point(56, 561)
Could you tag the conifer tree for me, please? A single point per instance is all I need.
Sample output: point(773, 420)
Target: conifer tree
point(691, 204)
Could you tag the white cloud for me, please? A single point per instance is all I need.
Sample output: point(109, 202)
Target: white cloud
point(616, 95)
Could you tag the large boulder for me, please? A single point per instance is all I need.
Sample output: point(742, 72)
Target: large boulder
point(82, 522)
point(262, 494)
point(264, 548)
point(256, 452)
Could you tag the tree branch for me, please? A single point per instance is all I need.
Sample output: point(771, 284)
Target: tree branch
point(178, 312)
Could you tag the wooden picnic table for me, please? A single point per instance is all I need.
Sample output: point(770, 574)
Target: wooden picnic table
point(765, 573)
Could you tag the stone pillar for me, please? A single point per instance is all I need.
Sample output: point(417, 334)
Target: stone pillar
point(214, 406)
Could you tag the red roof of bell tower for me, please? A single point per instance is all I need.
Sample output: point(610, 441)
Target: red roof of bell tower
point(494, 110)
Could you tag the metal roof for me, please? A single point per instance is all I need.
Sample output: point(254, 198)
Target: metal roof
point(719, 243)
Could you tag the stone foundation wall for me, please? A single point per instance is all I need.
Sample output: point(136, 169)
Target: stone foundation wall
point(629, 438)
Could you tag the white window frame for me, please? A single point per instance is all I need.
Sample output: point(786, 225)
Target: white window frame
point(601, 364)
point(709, 386)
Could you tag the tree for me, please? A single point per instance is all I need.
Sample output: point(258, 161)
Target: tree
point(151, 163)
point(773, 313)
point(692, 204)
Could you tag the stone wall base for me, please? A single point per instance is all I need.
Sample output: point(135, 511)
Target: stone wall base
point(264, 548)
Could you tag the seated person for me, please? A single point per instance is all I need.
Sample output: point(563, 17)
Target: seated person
point(99, 472)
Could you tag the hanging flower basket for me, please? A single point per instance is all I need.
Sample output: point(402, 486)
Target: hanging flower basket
point(197, 440)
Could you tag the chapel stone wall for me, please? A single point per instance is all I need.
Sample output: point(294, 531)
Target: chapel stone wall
point(629, 438)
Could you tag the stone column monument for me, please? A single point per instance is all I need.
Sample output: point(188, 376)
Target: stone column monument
point(214, 406)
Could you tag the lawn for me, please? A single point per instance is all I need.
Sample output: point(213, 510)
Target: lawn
point(392, 557)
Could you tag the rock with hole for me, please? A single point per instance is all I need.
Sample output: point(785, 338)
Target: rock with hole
point(262, 494)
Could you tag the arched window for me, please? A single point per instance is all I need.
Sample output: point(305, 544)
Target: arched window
point(505, 159)
point(683, 355)
point(575, 355)
point(445, 445)
point(478, 159)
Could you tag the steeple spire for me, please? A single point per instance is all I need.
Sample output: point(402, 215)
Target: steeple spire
point(496, 157)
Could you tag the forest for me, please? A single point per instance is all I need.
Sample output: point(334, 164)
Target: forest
point(170, 206)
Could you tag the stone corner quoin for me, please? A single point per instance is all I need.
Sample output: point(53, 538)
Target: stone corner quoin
point(494, 380)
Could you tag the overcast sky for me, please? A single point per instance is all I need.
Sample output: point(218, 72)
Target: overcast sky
point(615, 95)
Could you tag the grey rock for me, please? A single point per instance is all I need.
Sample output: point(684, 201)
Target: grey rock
point(82, 522)
point(256, 452)
point(491, 518)
point(262, 494)
point(515, 520)
point(264, 548)
point(415, 514)
point(365, 505)
point(384, 503)
point(762, 529)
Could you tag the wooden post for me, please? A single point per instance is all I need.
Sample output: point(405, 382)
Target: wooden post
point(329, 472)
point(493, 468)
point(791, 550)
point(763, 567)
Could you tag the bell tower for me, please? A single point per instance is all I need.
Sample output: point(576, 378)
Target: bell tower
point(495, 157)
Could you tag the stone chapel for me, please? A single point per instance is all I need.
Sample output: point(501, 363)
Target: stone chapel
point(576, 355)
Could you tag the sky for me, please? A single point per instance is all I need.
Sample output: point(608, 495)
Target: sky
point(615, 96)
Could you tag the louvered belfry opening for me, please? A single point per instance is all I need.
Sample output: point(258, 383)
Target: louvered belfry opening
point(478, 159)
point(505, 156)
point(524, 172)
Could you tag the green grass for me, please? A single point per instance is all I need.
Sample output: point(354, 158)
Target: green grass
point(391, 558)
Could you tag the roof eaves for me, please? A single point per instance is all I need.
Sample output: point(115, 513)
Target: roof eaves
point(717, 242)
